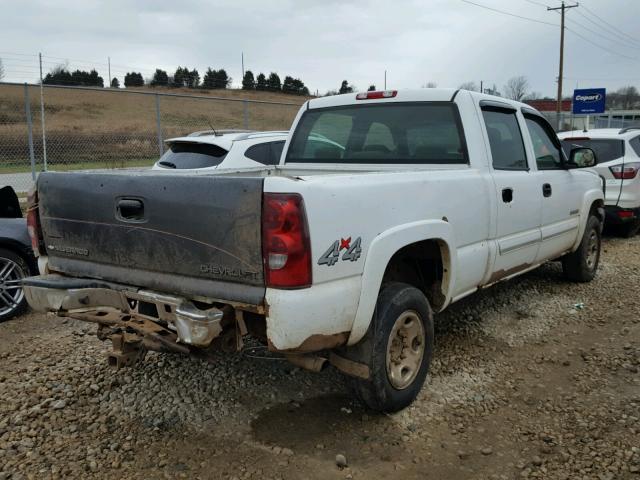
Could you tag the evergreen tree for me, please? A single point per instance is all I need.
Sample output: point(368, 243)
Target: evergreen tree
point(133, 79)
point(115, 83)
point(273, 83)
point(261, 82)
point(160, 78)
point(345, 87)
point(248, 82)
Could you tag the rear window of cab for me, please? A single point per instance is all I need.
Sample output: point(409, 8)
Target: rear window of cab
point(398, 133)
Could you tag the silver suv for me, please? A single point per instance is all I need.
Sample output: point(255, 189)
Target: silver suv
point(618, 154)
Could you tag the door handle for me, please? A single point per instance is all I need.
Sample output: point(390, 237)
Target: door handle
point(130, 209)
point(507, 195)
point(546, 190)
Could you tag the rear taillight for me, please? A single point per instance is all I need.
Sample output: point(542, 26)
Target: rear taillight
point(286, 248)
point(374, 95)
point(33, 223)
point(626, 171)
point(625, 214)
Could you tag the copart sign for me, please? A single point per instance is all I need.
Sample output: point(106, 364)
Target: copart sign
point(590, 100)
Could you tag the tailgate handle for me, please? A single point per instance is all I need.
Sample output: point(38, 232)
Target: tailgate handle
point(130, 210)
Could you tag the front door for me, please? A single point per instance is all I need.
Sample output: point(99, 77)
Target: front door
point(518, 205)
point(558, 188)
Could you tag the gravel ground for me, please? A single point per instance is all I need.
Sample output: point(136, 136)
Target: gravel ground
point(533, 378)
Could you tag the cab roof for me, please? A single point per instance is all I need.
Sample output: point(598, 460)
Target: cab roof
point(410, 95)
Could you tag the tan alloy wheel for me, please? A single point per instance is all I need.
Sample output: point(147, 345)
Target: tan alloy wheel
point(592, 250)
point(405, 350)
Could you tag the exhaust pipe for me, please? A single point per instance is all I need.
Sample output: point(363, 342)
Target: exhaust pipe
point(308, 362)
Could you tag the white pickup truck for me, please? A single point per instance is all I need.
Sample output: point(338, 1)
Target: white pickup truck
point(387, 207)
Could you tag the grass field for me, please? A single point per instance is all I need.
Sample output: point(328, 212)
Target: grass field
point(112, 129)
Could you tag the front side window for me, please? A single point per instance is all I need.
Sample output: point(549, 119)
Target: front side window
point(398, 133)
point(185, 155)
point(548, 155)
point(505, 139)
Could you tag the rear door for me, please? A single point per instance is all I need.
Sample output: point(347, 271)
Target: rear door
point(560, 190)
point(518, 204)
point(181, 234)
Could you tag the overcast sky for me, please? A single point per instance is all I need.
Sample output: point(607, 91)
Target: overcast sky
point(323, 42)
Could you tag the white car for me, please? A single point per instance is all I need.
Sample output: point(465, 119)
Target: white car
point(222, 149)
point(618, 154)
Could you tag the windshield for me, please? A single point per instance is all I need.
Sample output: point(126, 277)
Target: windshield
point(605, 150)
point(398, 133)
point(184, 155)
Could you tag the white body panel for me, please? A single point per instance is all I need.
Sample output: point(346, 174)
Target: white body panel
point(391, 206)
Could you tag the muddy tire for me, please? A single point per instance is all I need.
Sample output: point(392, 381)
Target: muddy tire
point(581, 265)
point(397, 349)
point(13, 268)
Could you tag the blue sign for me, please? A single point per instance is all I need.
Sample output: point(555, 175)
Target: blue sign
point(589, 100)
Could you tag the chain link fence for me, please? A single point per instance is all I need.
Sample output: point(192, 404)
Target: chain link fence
point(91, 128)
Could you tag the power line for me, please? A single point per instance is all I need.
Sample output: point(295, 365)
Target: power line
point(605, 28)
point(509, 14)
point(612, 52)
point(537, 3)
point(610, 39)
point(607, 23)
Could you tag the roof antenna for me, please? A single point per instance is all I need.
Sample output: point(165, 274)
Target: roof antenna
point(211, 127)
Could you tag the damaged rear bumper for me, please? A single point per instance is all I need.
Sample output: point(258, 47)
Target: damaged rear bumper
point(74, 297)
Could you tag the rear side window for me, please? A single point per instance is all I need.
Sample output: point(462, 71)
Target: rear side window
point(605, 149)
point(393, 133)
point(548, 155)
point(266, 153)
point(505, 139)
point(635, 144)
point(185, 155)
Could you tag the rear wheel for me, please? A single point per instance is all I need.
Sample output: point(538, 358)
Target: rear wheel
point(581, 265)
point(13, 268)
point(397, 349)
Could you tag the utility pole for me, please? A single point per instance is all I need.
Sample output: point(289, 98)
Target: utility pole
point(481, 86)
point(385, 79)
point(44, 136)
point(109, 63)
point(562, 9)
point(243, 65)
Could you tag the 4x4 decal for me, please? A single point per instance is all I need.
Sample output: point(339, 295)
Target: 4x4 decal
point(332, 255)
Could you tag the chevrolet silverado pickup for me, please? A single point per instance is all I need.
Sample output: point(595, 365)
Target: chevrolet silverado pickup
point(387, 206)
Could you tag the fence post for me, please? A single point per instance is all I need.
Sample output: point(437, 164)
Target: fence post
point(159, 125)
point(27, 111)
point(245, 114)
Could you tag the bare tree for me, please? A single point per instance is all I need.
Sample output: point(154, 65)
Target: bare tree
point(1, 70)
point(533, 96)
point(430, 84)
point(516, 88)
point(469, 86)
point(628, 97)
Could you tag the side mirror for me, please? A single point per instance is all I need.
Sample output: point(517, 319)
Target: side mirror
point(582, 157)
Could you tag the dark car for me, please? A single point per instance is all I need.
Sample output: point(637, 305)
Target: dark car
point(16, 256)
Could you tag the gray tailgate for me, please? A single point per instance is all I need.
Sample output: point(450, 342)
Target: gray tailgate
point(189, 235)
